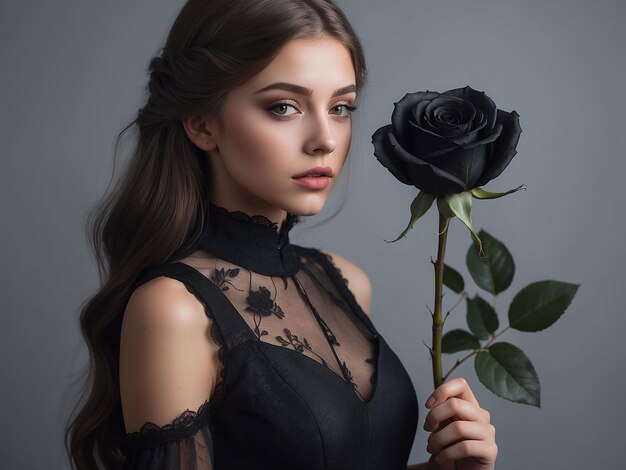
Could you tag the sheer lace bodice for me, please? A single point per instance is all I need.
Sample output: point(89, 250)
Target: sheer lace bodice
point(283, 312)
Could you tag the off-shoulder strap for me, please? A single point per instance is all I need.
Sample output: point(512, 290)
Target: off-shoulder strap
point(341, 283)
point(232, 327)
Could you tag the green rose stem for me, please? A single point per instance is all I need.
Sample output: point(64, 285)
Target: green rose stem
point(438, 321)
point(449, 206)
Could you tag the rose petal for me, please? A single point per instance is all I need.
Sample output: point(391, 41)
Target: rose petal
point(425, 144)
point(385, 155)
point(403, 110)
point(423, 175)
point(503, 149)
point(490, 138)
point(419, 114)
point(439, 111)
point(467, 165)
point(480, 100)
point(479, 122)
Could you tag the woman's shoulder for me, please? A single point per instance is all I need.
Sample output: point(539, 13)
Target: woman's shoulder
point(164, 301)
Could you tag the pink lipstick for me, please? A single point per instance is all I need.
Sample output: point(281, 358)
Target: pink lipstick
point(315, 178)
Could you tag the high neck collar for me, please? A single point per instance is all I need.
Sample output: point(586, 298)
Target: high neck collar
point(250, 241)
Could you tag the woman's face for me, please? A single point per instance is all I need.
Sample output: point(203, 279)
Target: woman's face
point(272, 135)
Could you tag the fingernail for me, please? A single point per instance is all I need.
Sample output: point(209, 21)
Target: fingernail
point(430, 401)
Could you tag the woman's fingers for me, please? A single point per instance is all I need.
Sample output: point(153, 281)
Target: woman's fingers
point(482, 452)
point(455, 408)
point(459, 431)
point(457, 387)
point(460, 428)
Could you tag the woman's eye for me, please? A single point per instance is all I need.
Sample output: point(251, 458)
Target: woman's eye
point(348, 107)
point(280, 106)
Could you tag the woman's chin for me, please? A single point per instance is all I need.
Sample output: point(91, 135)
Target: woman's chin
point(309, 207)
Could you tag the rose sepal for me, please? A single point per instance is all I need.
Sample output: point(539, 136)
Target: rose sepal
point(480, 193)
point(459, 205)
point(420, 205)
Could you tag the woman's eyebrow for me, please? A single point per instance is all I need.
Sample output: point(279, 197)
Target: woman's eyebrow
point(303, 90)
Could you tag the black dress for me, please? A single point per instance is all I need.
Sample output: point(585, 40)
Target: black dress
point(306, 381)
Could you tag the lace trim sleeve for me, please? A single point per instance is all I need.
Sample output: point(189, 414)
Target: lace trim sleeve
point(151, 435)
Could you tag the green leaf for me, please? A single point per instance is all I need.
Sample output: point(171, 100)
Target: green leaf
point(480, 193)
point(495, 272)
point(481, 317)
point(419, 207)
point(540, 304)
point(459, 205)
point(458, 340)
point(507, 372)
point(453, 279)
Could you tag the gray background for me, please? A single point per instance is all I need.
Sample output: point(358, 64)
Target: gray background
point(74, 74)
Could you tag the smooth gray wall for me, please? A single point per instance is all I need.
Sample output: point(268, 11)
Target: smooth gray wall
point(74, 74)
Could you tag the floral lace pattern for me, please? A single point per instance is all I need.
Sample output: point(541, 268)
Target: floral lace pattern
point(276, 314)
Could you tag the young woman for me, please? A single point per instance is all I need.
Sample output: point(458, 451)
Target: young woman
point(217, 343)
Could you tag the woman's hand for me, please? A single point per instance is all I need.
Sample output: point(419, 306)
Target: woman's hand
point(468, 438)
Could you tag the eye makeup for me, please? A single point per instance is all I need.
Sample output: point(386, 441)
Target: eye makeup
point(350, 108)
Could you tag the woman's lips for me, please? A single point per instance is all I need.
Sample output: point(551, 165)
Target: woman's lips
point(313, 182)
point(317, 171)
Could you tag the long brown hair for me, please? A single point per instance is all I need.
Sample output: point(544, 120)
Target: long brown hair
point(153, 214)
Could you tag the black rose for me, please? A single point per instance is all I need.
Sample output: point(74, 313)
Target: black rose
point(447, 143)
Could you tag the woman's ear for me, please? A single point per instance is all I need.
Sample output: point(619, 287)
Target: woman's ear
point(202, 131)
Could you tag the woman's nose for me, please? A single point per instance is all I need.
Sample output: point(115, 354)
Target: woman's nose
point(322, 134)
